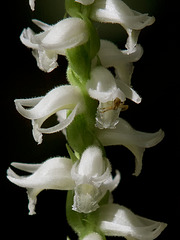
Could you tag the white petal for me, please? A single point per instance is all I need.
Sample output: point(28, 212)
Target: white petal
point(32, 4)
point(134, 140)
point(91, 163)
point(116, 220)
point(63, 97)
point(85, 2)
point(67, 33)
point(122, 61)
point(102, 86)
point(42, 25)
point(111, 56)
point(138, 153)
point(132, 38)
point(31, 168)
point(128, 91)
point(98, 170)
point(27, 38)
point(112, 183)
point(124, 72)
point(116, 11)
point(125, 134)
point(54, 173)
point(46, 61)
point(38, 131)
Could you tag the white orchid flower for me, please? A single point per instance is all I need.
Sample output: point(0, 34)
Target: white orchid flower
point(92, 176)
point(102, 86)
point(90, 179)
point(55, 173)
point(122, 60)
point(54, 40)
point(61, 98)
point(116, 11)
point(134, 140)
point(116, 220)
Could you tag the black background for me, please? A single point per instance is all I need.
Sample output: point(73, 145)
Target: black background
point(155, 193)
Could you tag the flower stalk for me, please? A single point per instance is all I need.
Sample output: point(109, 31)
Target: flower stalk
point(88, 110)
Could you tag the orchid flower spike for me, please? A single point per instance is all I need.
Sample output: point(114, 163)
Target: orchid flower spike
point(102, 86)
point(134, 140)
point(92, 176)
point(55, 173)
point(54, 40)
point(60, 98)
point(116, 220)
point(116, 11)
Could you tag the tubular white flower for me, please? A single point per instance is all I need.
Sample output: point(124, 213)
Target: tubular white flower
point(116, 220)
point(55, 173)
point(134, 140)
point(92, 176)
point(102, 86)
point(60, 98)
point(116, 11)
point(54, 40)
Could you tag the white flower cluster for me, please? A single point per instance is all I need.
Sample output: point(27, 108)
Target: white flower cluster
point(88, 174)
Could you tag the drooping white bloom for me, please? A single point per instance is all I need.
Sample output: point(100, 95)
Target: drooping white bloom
point(60, 98)
point(122, 60)
point(116, 220)
point(55, 173)
point(116, 11)
point(102, 86)
point(54, 40)
point(134, 140)
point(92, 176)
